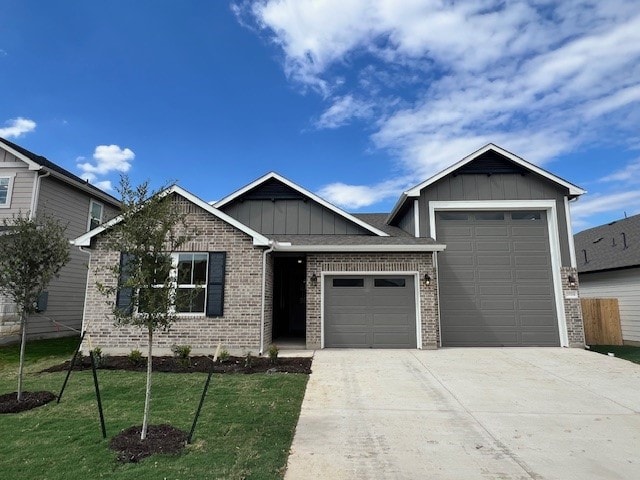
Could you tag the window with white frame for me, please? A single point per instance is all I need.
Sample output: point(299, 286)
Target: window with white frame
point(187, 275)
point(6, 184)
point(95, 214)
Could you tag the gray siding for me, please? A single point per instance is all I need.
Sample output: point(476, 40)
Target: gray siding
point(291, 217)
point(407, 221)
point(497, 187)
point(623, 285)
point(22, 184)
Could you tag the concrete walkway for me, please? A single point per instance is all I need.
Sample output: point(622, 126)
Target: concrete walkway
point(524, 413)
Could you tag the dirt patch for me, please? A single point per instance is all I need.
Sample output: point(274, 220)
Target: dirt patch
point(9, 401)
point(200, 364)
point(160, 439)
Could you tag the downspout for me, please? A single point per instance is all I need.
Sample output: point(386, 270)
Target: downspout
point(86, 291)
point(36, 193)
point(264, 290)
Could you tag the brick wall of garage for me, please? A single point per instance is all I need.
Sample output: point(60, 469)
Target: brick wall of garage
point(572, 308)
point(237, 330)
point(318, 263)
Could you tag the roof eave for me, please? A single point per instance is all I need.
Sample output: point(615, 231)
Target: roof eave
point(359, 248)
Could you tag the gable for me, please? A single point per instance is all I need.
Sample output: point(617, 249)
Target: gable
point(274, 205)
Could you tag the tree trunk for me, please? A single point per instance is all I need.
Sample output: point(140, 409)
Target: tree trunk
point(23, 327)
point(147, 398)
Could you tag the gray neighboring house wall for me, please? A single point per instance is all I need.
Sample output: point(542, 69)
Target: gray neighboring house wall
point(480, 254)
point(37, 185)
point(609, 267)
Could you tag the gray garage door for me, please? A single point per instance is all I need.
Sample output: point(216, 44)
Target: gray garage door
point(495, 280)
point(370, 311)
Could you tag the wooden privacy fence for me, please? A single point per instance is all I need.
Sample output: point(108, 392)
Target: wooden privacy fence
point(601, 321)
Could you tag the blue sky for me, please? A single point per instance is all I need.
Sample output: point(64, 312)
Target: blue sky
point(356, 100)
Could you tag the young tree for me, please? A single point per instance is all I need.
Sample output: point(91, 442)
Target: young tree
point(32, 252)
point(152, 227)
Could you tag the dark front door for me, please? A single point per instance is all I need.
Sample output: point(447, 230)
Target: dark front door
point(289, 297)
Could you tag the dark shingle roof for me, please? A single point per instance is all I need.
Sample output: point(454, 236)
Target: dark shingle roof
point(49, 165)
point(379, 221)
point(611, 246)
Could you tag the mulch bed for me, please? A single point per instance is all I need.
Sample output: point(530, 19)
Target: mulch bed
point(9, 401)
point(160, 439)
point(200, 364)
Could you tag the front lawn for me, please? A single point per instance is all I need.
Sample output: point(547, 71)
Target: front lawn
point(245, 429)
point(626, 352)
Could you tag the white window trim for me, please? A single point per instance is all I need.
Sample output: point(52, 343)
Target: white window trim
point(93, 202)
point(11, 178)
point(173, 277)
point(416, 281)
point(549, 206)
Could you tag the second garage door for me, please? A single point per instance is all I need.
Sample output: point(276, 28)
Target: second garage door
point(495, 279)
point(370, 311)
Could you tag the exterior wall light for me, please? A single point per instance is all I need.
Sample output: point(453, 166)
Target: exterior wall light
point(427, 279)
point(314, 278)
point(572, 281)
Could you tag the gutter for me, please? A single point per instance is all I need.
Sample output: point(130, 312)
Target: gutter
point(361, 248)
point(35, 196)
point(264, 289)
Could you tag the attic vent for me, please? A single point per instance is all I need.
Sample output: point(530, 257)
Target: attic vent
point(490, 163)
point(597, 240)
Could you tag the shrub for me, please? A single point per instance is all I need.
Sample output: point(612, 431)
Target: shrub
point(135, 357)
point(181, 354)
point(248, 360)
point(98, 357)
point(223, 356)
point(273, 354)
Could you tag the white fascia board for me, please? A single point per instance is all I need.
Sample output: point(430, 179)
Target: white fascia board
point(396, 208)
point(360, 248)
point(31, 164)
point(258, 239)
point(105, 197)
point(304, 192)
point(573, 189)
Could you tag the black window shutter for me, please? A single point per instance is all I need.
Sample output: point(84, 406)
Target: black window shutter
point(215, 285)
point(124, 295)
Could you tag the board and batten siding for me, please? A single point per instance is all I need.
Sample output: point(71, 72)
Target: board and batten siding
point(407, 221)
point(23, 180)
point(291, 217)
point(497, 187)
point(623, 285)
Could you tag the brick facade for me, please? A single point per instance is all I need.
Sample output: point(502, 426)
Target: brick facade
point(238, 330)
point(318, 263)
point(572, 308)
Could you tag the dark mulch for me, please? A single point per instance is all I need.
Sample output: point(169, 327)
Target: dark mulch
point(160, 439)
point(9, 401)
point(200, 364)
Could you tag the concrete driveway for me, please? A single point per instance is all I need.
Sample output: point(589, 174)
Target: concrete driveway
point(509, 413)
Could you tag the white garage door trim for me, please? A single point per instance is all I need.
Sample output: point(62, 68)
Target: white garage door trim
point(416, 276)
point(554, 242)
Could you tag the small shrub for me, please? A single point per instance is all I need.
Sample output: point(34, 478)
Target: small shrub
point(98, 357)
point(248, 360)
point(181, 354)
point(273, 354)
point(135, 357)
point(223, 356)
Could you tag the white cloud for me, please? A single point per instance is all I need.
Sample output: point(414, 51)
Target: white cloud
point(17, 127)
point(629, 174)
point(359, 196)
point(618, 203)
point(107, 159)
point(342, 111)
point(3, 53)
point(437, 80)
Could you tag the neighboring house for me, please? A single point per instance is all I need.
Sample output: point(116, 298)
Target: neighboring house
point(478, 255)
point(609, 267)
point(31, 185)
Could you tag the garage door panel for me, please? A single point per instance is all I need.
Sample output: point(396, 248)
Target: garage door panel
point(382, 316)
point(504, 294)
point(493, 260)
point(492, 246)
point(460, 246)
point(460, 229)
point(462, 259)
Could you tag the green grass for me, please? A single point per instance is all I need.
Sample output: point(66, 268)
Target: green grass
point(245, 429)
point(38, 350)
point(626, 352)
